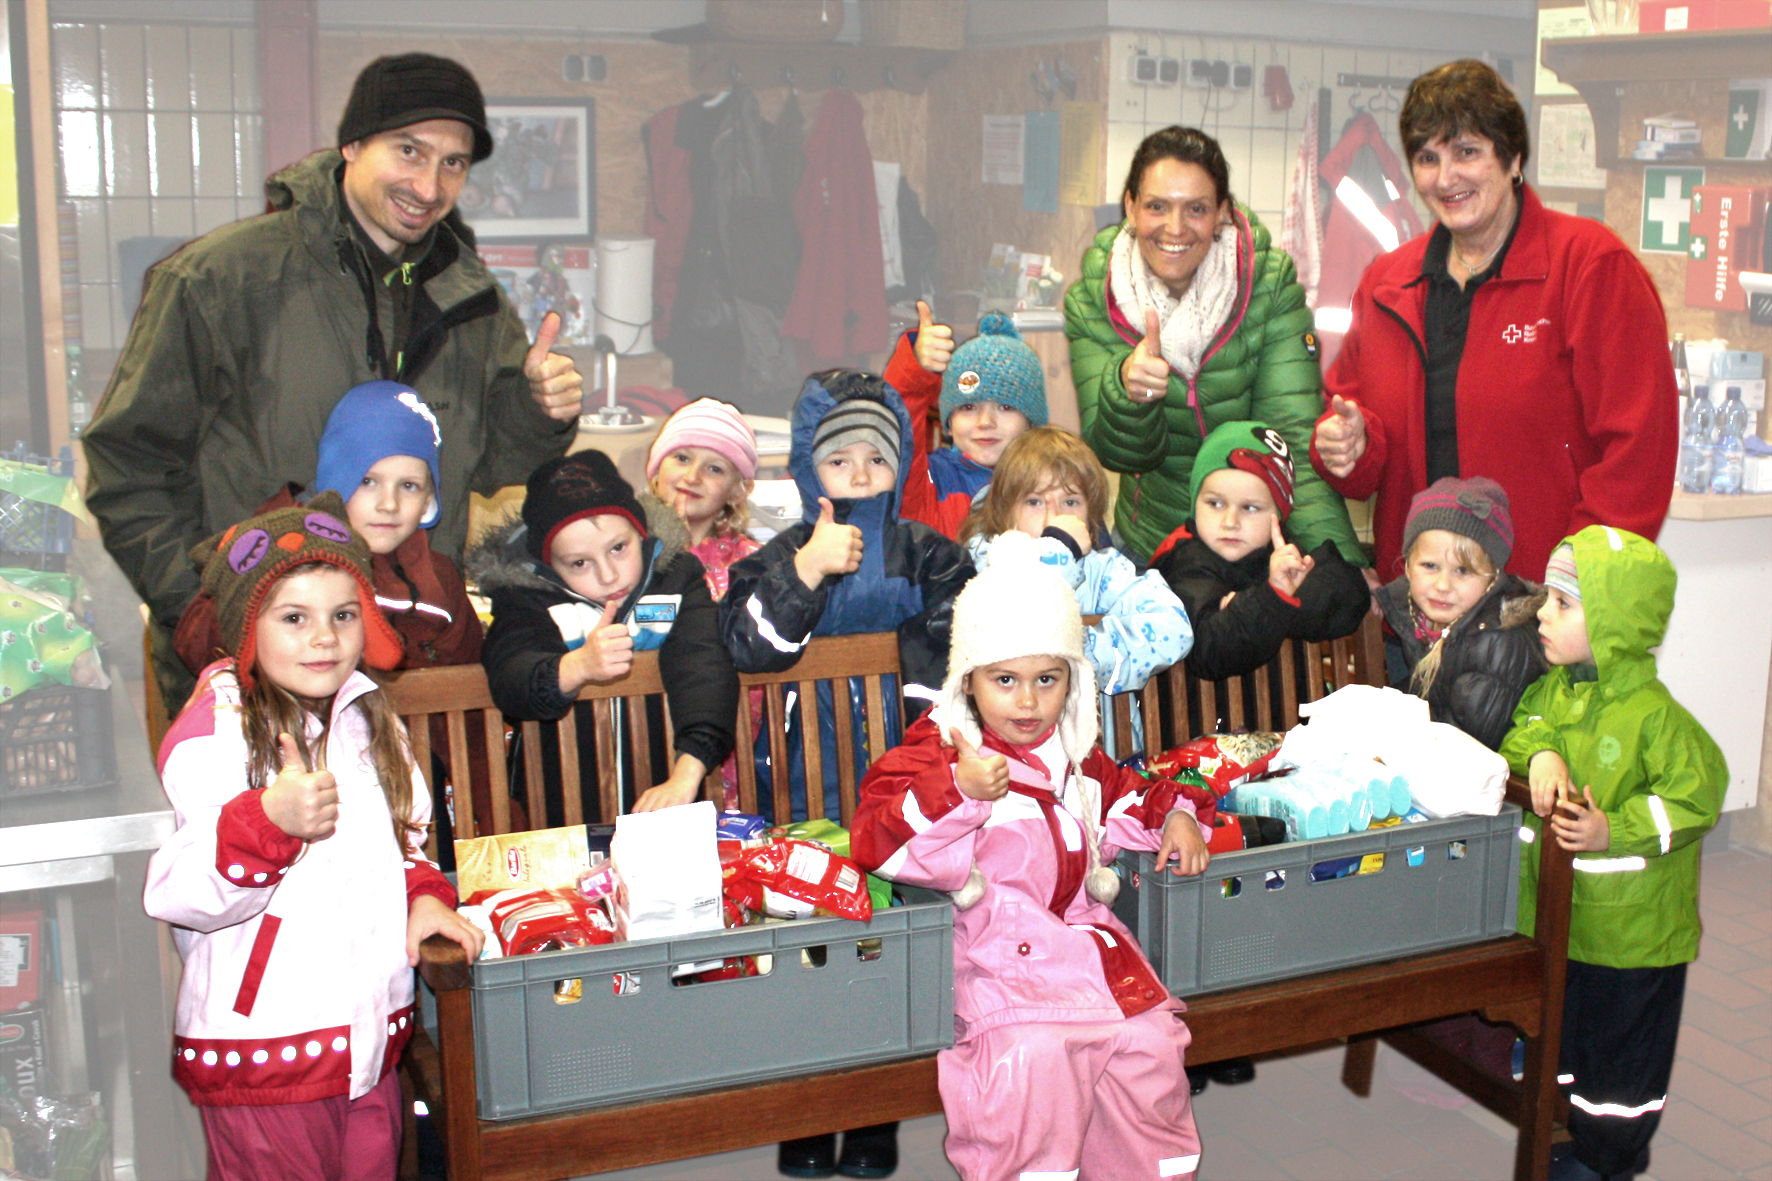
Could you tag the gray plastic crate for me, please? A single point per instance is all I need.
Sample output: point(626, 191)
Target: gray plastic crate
point(1280, 923)
point(634, 1035)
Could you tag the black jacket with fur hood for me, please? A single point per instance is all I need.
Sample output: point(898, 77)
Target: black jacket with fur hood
point(524, 644)
point(1491, 654)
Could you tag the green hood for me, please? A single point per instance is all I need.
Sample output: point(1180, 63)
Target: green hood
point(1627, 593)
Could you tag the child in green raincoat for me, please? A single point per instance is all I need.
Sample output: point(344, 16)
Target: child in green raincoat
point(1630, 782)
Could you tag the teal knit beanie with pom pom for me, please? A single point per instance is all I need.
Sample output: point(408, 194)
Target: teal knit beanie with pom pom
point(995, 366)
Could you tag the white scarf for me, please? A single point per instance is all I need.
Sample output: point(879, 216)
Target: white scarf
point(1189, 323)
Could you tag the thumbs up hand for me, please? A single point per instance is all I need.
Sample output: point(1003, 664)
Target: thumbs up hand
point(978, 777)
point(1145, 373)
point(935, 342)
point(1341, 436)
point(831, 550)
point(303, 803)
point(1286, 566)
point(554, 381)
point(606, 655)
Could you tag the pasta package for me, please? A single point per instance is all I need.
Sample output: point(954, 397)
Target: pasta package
point(542, 859)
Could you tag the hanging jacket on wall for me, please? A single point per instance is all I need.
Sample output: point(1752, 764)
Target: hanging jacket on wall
point(669, 208)
point(839, 305)
point(919, 245)
point(1365, 175)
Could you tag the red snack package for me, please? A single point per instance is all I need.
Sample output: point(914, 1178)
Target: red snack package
point(770, 878)
point(528, 921)
point(1223, 761)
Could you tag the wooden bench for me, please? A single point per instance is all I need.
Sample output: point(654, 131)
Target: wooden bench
point(1514, 979)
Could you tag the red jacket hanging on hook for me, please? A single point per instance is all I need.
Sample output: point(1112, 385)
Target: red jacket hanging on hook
point(670, 206)
point(839, 306)
point(1360, 225)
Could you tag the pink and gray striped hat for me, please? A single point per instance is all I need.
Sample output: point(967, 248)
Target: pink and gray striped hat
point(1476, 508)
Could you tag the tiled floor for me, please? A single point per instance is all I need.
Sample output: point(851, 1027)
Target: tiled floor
point(1296, 1121)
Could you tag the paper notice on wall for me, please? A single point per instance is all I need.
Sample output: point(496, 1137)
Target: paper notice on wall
point(1565, 147)
point(15, 956)
point(1003, 138)
point(1554, 23)
point(1079, 154)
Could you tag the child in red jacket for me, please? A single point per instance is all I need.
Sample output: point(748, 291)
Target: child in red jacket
point(991, 389)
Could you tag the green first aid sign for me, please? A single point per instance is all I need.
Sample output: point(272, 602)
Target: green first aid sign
point(1667, 209)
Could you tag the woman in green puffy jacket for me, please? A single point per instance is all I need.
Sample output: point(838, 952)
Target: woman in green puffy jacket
point(1187, 316)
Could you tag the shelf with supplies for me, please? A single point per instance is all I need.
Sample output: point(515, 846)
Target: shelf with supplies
point(1705, 506)
point(1600, 68)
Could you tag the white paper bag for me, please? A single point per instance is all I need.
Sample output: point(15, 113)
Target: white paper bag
point(669, 866)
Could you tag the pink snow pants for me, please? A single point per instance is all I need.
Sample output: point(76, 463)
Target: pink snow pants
point(1104, 1101)
point(326, 1140)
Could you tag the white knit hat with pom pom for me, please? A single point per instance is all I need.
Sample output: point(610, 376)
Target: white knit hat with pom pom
point(1019, 606)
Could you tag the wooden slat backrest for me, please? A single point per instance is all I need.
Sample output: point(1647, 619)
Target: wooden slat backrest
point(460, 697)
point(1197, 707)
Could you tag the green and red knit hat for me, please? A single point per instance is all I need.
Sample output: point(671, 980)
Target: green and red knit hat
point(242, 564)
point(1252, 447)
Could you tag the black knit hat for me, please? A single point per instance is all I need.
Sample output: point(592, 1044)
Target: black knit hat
point(411, 88)
point(570, 488)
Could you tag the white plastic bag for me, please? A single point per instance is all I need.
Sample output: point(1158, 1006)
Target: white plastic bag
point(669, 865)
point(1449, 772)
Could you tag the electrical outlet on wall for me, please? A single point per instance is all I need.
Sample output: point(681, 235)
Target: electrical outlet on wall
point(1168, 71)
point(1242, 76)
point(1143, 69)
point(1199, 73)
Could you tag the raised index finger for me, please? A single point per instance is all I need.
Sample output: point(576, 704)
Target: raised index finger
point(544, 340)
point(1276, 535)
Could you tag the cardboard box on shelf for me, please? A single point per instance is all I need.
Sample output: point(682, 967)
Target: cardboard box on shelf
point(21, 950)
point(1674, 16)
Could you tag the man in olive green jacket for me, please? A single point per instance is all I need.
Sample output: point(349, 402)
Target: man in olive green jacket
point(1262, 365)
point(1632, 783)
point(247, 338)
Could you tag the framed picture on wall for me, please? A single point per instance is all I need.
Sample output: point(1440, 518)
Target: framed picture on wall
point(541, 179)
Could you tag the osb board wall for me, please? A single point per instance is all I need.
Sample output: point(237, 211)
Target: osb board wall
point(644, 78)
point(970, 216)
point(1705, 102)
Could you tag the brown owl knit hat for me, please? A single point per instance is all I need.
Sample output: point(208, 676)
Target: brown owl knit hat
point(242, 564)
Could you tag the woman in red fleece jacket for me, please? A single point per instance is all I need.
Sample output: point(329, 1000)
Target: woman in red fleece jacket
point(1511, 341)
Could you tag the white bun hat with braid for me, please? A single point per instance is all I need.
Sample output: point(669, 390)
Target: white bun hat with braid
point(1019, 606)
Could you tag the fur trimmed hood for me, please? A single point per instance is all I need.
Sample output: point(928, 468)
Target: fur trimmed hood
point(500, 558)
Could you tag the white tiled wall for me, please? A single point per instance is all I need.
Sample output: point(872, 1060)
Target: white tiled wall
point(1260, 144)
point(160, 136)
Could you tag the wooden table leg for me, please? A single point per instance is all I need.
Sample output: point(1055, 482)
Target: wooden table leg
point(1356, 1065)
point(461, 1106)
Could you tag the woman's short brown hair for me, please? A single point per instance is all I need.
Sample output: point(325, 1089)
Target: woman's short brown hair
point(1034, 460)
point(1464, 98)
point(1189, 145)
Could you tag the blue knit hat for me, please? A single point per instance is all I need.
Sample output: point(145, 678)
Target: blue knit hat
point(995, 366)
point(371, 422)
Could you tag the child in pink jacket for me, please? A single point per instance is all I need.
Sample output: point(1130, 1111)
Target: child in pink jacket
point(1068, 1050)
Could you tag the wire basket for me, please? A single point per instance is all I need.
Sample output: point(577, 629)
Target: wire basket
point(33, 534)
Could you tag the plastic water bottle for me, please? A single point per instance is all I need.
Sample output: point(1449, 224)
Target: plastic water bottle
point(1697, 443)
point(1731, 454)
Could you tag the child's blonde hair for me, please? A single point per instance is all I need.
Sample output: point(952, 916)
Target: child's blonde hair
point(1034, 460)
point(1468, 552)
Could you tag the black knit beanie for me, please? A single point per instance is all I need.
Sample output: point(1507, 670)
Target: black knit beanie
point(570, 488)
point(411, 88)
